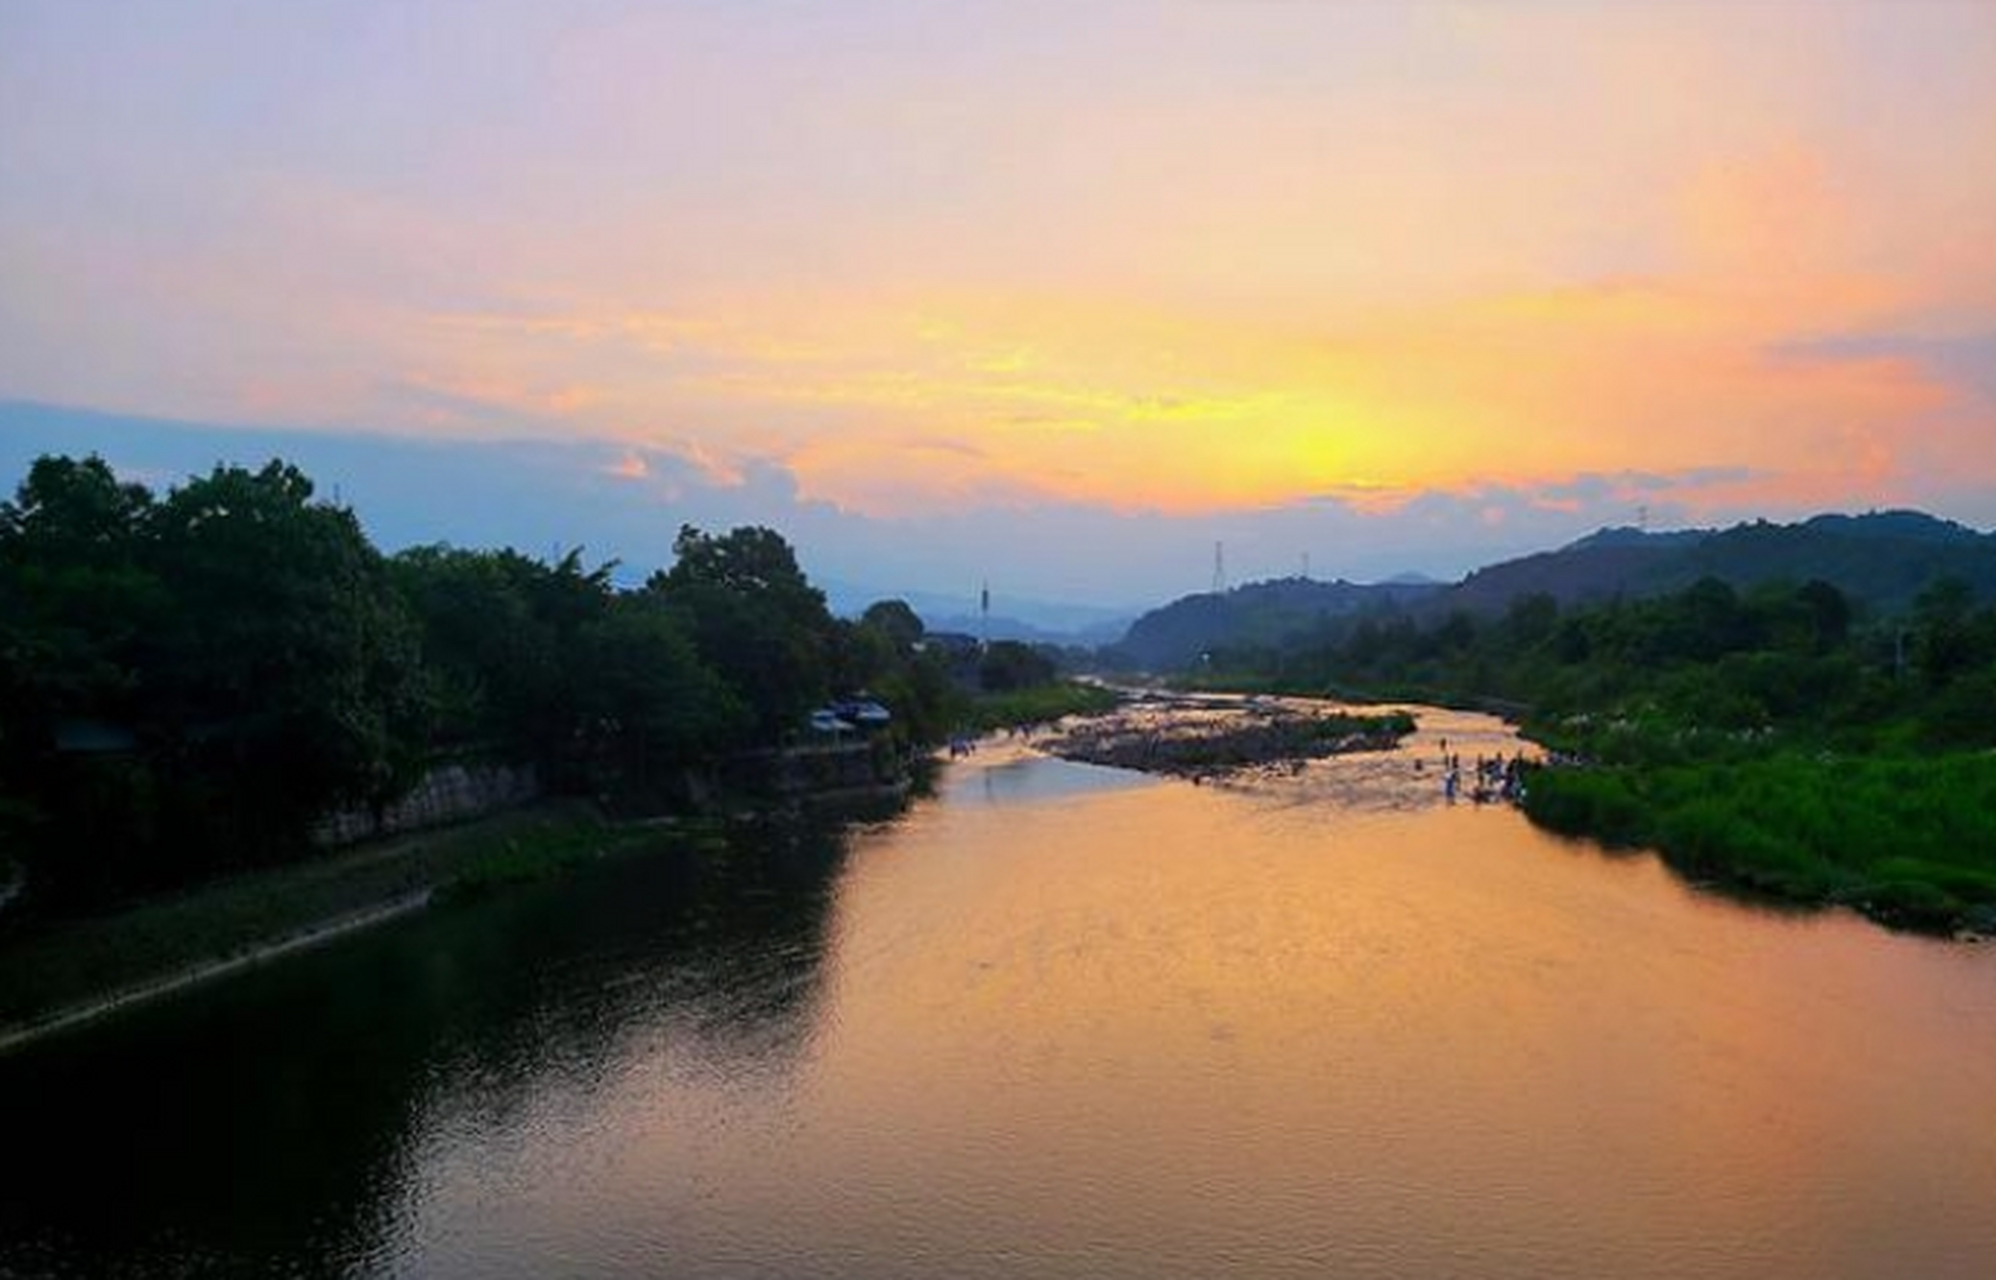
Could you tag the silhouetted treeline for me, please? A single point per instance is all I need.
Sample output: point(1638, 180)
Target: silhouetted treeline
point(1788, 657)
point(188, 681)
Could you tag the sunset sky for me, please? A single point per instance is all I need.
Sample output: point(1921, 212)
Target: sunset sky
point(1050, 294)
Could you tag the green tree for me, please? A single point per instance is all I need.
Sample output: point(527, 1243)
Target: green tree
point(896, 621)
point(191, 681)
point(79, 603)
point(288, 675)
point(490, 660)
point(752, 562)
point(1829, 614)
point(509, 641)
point(1531, 619)
point(78, 610)
point(1703, 622)
point(755, 619)
point(652, 706)
point(1009, 665)
point(1946, 644)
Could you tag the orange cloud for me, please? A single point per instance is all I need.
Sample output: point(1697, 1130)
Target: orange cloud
point(898, 407)
point(631, 466)
point(1500, 245)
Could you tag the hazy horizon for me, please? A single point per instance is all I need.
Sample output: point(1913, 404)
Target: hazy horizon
point(392, 486)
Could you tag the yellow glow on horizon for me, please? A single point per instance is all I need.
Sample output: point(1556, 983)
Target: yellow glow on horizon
point(891, 406)
point(1501, 246)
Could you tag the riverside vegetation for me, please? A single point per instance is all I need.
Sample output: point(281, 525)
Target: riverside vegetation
point(1781, 740)
point(189, 681)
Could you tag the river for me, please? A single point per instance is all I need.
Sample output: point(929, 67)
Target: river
point(1056, 1020)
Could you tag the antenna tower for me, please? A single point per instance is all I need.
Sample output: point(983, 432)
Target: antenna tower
point(1219, 567)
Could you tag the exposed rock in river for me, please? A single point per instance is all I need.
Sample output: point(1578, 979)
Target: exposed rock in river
point(1199, 737)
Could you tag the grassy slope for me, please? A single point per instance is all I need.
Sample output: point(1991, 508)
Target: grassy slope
point(58, 967)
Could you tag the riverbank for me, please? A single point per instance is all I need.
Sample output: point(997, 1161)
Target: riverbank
point(1908, 841)
point(66, 973)
point(1906, 838)
point(77, 1014)
point(60, 973)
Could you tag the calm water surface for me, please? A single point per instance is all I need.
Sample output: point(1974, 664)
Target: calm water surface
point(1057, 1021)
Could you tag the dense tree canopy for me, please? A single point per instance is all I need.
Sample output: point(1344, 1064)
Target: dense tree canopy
point(1010, 665)
point(754, 618)
point(189, 681)
point(896, 622)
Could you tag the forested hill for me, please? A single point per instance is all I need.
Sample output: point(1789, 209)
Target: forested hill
point(1607, 563)
point(1881, 561)
point(1266, 614)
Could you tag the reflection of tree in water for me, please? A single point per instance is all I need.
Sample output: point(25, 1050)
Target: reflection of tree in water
point(270, 1125)
point(715, 957)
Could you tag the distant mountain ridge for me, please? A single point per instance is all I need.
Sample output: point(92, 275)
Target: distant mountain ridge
point(1881, 559)
point(1264, 613)
point(1002, 627)
point(1012, 617)
point(1630, 536)
point(1913, 526)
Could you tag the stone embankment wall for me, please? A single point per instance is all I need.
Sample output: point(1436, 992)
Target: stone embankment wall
point(448, 793)
point(803, 771)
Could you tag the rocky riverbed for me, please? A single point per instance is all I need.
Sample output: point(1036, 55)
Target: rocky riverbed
point(1212, 737)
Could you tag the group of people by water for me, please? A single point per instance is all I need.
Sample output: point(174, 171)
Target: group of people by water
point(964, 743)
point(1489, 779)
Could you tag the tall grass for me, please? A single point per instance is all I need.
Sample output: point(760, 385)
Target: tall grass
point(1909, 840)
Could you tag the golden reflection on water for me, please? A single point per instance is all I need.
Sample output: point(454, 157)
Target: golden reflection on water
point(1428, 1037)
point(1057, 1021)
